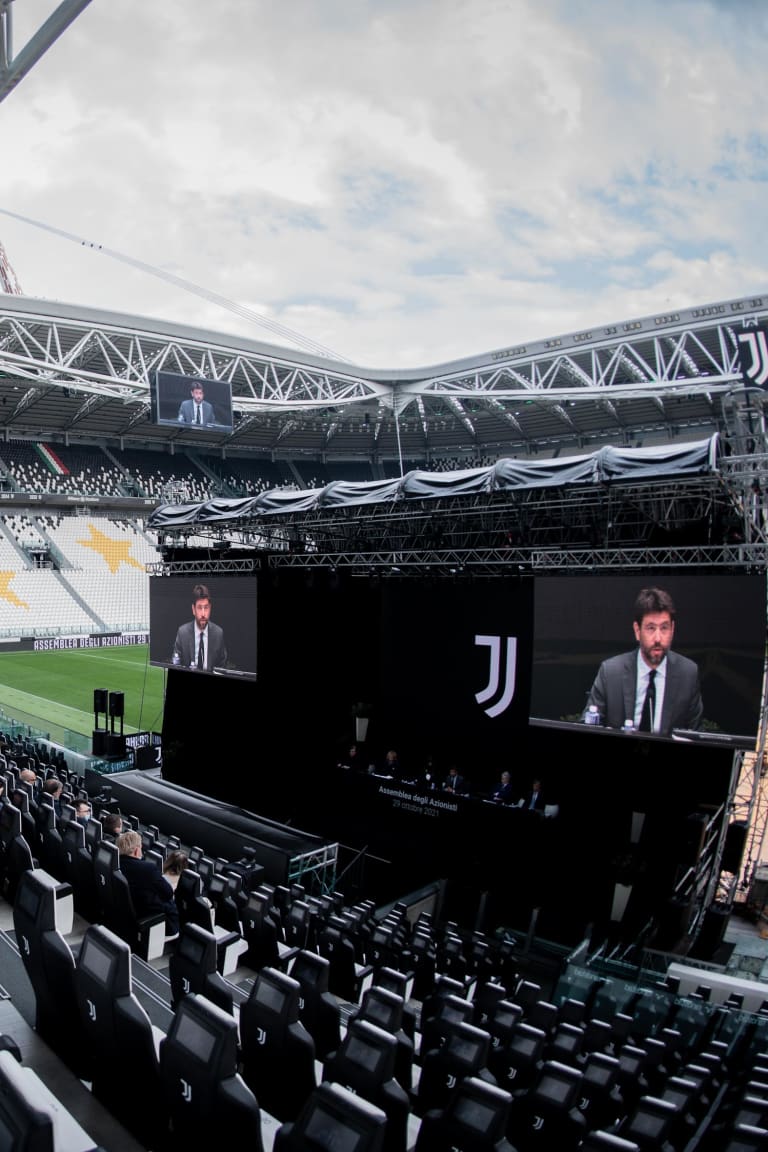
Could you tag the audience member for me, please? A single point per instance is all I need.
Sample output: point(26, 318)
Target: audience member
point(30, 777)
point(111, 826)
point(150, 890)
point(82, 812)
point(53, 788)
point(175, 863)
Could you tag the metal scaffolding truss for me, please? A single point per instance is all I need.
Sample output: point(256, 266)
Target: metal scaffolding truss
point(13, 68)
point(204, 567)
point(510, 561)
point(316, 870)
point(81, 372)
point(691, 520)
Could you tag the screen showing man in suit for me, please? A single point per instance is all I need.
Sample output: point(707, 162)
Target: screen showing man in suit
point(200, 643)
point(652, 688)
point(229, 644)
point(196, 410)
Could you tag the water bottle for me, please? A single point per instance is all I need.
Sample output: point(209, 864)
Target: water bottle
point(592, 715)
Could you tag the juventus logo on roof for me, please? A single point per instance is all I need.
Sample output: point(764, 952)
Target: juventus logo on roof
point(494, 680)
point(753, 356)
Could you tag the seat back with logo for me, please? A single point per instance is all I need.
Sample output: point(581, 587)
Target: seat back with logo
point(474, 1120)
point(50, 966)
point(120, 1036)
point(206, 1097)
point(365, 1063)
point(278, 1053)
point(463, 1053)
point(319, 1011)
point(333, 1117)
point(192, 969)
point(190, 901)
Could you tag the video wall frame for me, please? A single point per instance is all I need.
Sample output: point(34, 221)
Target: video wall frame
point(191, 402)
point(227, 604)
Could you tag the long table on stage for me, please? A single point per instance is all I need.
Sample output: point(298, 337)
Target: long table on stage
point(426, 835)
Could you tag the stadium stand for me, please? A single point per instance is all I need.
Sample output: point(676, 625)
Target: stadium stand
point(700, 1089)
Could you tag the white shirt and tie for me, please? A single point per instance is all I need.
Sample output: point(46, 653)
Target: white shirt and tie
point(201, 653)
point(642, 683)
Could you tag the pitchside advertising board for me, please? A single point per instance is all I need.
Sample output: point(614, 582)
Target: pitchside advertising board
point(66, 643)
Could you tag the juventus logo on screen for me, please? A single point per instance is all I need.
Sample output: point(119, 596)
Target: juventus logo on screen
point(753, 356)
point(494, 680)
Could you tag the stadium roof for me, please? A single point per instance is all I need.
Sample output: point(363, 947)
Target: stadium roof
point(80, 376)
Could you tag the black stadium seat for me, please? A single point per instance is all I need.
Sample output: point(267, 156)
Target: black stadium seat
point(205, 1095)
point(120, 1037)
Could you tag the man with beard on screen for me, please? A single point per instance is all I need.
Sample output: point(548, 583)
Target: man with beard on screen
point(652, 686)
point(200, 643)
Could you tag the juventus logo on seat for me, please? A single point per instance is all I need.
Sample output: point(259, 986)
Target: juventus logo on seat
point(753, 356)
point(494, 679)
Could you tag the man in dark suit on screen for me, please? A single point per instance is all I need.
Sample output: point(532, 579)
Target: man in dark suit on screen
point(653, 687)
point(197, 410)
point(200, 643)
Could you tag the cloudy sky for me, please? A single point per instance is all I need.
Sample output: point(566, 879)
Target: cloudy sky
point(398, 181)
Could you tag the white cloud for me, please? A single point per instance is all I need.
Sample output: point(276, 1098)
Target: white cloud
point(403, 183)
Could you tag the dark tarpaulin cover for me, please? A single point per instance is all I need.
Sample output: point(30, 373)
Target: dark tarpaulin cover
point(606, 464)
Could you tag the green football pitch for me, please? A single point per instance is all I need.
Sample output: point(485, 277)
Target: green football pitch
point(53, 691)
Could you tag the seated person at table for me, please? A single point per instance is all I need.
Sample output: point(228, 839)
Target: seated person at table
point(455, 782)
point(502, 793)
point(352, 757)
point(392, 766)
point(533, 800)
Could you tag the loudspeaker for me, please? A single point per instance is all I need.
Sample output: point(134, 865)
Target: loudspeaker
point(672, 924)
point(100, 699)
point(733, 849)
point(711, 933)
point(99, 742)
point(116, 703)
point(692, 841)
point(115, 746)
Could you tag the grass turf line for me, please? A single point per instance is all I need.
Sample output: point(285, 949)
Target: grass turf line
point(58, 686)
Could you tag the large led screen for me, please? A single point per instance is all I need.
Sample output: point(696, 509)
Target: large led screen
point(203, 624)
point(191, 403)
point(719, 625)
